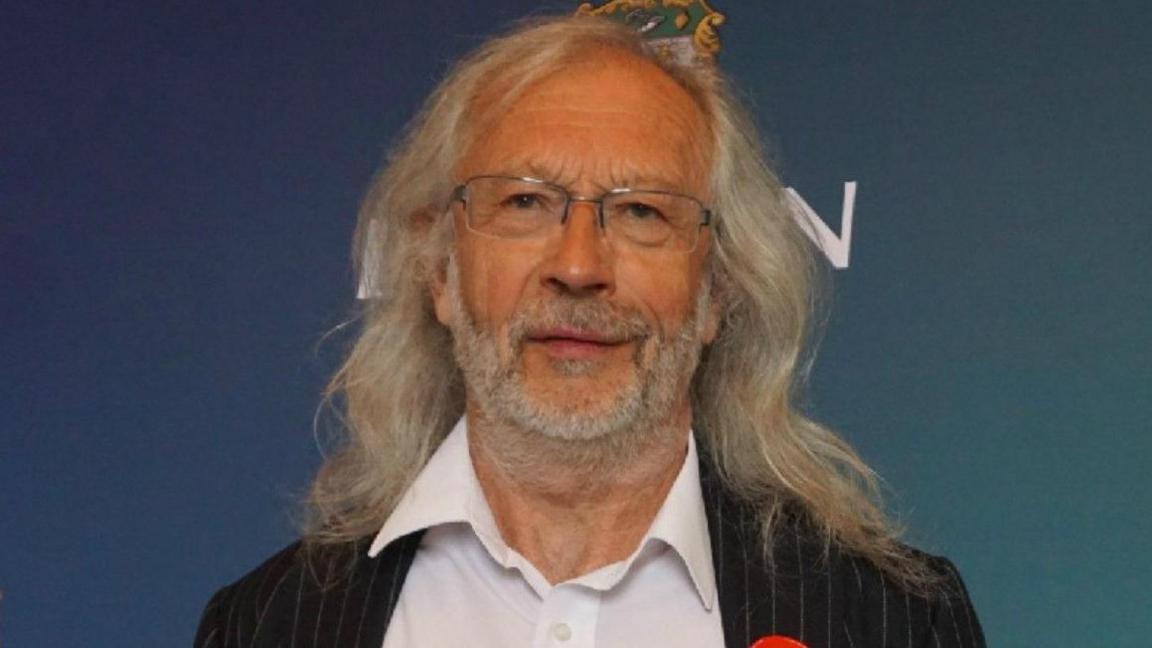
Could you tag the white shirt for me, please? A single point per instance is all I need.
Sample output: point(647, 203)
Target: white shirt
point(466, 587)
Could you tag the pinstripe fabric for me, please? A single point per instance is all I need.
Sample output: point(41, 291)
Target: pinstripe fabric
point(826, 599)
point(821, 596)
point(334, 596)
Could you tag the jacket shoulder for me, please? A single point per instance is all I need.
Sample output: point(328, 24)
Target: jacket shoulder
point(939, 613)
point(800, 583)
point(309, 595)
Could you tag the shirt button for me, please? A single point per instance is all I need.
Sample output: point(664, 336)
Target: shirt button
point(561, 631)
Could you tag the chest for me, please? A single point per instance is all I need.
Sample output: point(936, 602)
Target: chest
point(457, 594)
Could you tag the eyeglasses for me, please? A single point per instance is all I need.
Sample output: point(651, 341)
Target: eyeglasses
point(525, 208)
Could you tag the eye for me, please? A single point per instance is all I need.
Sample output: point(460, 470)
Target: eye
point(640, 211)
point(525, 200)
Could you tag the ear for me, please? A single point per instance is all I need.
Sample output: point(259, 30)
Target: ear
point(712, 323)
point(438, 289)
point(444, 310)
point(425, 221)
point(717, 287)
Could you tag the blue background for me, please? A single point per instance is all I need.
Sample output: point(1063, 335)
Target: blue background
point(178, 186)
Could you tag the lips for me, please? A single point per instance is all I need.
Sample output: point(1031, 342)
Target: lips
point(574, 334)
point(575, 344)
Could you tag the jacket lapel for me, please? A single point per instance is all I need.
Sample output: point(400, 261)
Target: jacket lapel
point(762, 593)
point(334, 596)
point(736, 585)
point(375, 591)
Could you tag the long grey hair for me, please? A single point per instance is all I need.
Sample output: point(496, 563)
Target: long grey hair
point(399, 392)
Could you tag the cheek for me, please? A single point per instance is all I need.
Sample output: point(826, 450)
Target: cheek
point(493, 279)
point(663, 289)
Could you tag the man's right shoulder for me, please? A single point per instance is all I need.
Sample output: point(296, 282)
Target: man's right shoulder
point(309, 594)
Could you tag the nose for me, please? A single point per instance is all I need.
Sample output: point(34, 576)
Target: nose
point(579, 263)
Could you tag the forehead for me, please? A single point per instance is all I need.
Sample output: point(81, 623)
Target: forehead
point(610, 119)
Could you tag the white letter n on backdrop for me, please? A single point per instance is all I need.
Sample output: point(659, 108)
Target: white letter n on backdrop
point(835, 247)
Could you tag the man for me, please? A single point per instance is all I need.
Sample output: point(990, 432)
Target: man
point(569, 412)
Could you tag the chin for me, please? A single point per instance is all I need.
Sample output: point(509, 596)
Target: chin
point(574, 412)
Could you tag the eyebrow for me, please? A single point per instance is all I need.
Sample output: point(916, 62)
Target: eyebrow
point(642, 181)
point(532, 169)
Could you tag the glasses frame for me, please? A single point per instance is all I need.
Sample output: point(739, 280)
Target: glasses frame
point(460, 194)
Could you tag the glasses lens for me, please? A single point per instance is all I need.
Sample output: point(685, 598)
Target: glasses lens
point(512, 208)
point(653, 219)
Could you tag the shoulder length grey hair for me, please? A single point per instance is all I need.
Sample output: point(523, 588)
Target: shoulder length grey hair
point(400, 392)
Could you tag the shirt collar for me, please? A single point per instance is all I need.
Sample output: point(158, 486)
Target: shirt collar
point(446, 491)
point(682, 523)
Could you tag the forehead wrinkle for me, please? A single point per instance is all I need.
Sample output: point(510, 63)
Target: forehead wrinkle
point(599, 176)
point(692, 124)
point(593, 118)
point(530, 166)
point(561, 129)
point(567, 173)
point(566, 167)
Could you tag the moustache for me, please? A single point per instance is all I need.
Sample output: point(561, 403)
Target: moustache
point(608, 322)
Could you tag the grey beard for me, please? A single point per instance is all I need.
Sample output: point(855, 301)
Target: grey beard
point(614, 430)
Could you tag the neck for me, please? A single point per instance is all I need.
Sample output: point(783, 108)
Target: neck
point(570, 507)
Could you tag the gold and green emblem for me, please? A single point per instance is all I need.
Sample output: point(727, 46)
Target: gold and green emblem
point(684, 30)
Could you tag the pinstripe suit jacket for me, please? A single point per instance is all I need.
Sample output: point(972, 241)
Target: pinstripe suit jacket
point(337, 596)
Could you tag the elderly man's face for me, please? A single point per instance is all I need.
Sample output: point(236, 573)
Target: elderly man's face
point(572, 333)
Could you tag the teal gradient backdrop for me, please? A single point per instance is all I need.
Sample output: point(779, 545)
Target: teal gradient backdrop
point(178, 187)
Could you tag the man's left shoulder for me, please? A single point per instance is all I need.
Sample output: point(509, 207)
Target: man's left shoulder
point(805, 586)
point(880, 606)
